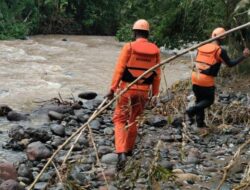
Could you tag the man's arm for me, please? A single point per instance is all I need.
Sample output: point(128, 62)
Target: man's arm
point(157, 79)
point(225, 58)
point(120, 67)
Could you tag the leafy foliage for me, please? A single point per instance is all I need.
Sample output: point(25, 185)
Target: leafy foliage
point(173, 22)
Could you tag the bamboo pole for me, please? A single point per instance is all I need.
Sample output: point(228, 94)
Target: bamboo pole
point(128, 87)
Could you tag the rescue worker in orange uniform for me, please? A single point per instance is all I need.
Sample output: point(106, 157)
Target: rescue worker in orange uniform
point(135, 58)
point(207, 65)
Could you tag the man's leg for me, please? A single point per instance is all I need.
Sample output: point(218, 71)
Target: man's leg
point(205, 99)
point(120, 120)
point(137, 105)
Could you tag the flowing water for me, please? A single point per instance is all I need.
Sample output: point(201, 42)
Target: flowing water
point(41, 67)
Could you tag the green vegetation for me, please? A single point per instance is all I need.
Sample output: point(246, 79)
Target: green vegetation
point(173, 22)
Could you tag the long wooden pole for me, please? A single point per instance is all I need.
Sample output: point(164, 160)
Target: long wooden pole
point(128, 87)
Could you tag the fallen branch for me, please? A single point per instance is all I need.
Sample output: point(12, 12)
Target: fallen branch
point(126, 89)
point(231, 163)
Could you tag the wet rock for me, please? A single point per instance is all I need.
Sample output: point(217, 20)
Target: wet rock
point(24, 180)
point(77, 105)
point(157, 121)
point(17, 133)
point(108, 131)
point(177, 122)
point(58, 130)
point(92, 104)
point(4, 110)
point(41, 186)
point(95, 125)
point(87, 95)
point(110, 158)
point(109, 173)
point(14, 116)
point(57, 141)
point(193, 156)
point(55, 115)
point(63, 109)
point(77, 176)
point(37, 134)
point(102, 150)
point(10, 185)
point(38, 151)
point(47, 176)
point(7, 171)
point(25, 171)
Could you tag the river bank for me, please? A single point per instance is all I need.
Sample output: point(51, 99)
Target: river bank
point(179, 158)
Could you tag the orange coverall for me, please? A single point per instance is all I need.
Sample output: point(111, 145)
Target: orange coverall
point(131, 104)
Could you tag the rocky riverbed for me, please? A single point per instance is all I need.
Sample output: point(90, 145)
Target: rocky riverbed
point(168, 154)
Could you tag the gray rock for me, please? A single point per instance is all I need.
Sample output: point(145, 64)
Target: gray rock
point(57, 141)
point(77, 176)
point(58, 130)
point(110, 158)
point(108, 131)
point(102, 150)
point(24, 180)
point(95, 125)
point(55, 115)
point(17, 133)
point(4, 110)
point(38, 151)
point(73, 123)
point(157, 121)
point(193, 156)
point(10, 185)
point(25, 171)
point(41, 186)
point(14, 116)
point(77, 105)
point(87, 95)
point(7, 171)
point(47, 176)
point(92, 104)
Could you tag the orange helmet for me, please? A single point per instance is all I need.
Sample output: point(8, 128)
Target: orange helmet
point(218, 31)
point(141, 24)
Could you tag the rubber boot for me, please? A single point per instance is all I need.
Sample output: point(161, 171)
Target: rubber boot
point(122, 158)
point(190, 115)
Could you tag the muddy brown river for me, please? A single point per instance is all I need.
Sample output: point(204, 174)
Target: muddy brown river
point(43, 66)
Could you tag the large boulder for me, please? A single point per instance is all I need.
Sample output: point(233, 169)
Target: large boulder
point(15, 116)
point(87, 95)
point(4, 110)
point(7, 171)
point(38, 151)
point(11, 185)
